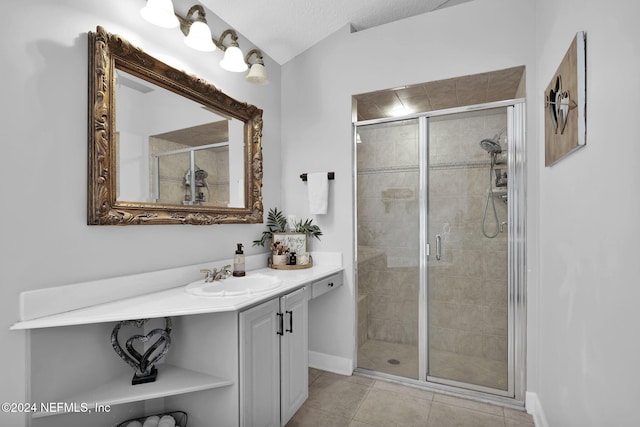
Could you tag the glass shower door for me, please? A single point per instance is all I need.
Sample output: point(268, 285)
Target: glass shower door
point(440, 249)
point(388, 247)
point(467, 279)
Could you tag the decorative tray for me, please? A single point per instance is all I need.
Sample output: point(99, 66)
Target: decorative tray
point(292, 267)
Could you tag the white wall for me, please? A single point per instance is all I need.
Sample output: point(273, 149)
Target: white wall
point(589, 319)
point(317, 87)
point(44, 239)
point(582, 321)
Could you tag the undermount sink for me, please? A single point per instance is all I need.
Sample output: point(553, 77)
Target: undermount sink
point(234, 286)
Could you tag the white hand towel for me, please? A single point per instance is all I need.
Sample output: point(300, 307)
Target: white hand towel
point(318, 188)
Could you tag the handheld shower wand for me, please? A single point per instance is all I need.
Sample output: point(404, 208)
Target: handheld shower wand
point(491, 146)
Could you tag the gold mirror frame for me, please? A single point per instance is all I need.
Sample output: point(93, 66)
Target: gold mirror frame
point(108, 52)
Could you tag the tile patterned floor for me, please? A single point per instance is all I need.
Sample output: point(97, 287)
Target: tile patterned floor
point(354, 401)
point(375, 354)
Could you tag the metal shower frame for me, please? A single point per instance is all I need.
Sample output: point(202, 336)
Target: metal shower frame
point(192, 166)
point(514, 396)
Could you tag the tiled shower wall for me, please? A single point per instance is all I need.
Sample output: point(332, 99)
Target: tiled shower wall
point(468, 286)
point(388, 252)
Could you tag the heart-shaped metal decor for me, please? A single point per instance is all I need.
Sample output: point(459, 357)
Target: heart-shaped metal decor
point(558, 100)
point(155, 346)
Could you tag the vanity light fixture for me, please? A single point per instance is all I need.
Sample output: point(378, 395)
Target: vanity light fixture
point(257, 73)
point(233, 59)
point(160, 13)
point(198, 36)
point(198, 32)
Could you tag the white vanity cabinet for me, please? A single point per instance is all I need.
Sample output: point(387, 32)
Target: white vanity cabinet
point(274, 360)
point(294, 353)
point(237, 361)
point(326, 284)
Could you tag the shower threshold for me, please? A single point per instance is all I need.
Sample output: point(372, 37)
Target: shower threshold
point(448, 390)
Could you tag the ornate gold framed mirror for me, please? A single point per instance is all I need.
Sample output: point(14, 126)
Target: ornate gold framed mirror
point(166, 147)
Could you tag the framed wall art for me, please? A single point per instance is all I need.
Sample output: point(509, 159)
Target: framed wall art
point(295, 242)
point(565, 121)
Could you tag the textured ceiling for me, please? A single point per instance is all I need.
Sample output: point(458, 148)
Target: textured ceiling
point(438, 95)
point(285, 28)
point(196, 136)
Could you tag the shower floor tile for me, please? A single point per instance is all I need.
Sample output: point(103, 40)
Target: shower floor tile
point(468, 369)
point(381, 356)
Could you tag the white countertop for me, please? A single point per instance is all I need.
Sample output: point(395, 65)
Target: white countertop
point(177, 302)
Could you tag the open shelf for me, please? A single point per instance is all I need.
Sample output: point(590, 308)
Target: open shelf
point(171, 380)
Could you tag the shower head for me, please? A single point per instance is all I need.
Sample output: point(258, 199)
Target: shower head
point(201, 174)
point(491, 146)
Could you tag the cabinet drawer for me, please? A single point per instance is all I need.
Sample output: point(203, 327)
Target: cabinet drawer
point(322, 286)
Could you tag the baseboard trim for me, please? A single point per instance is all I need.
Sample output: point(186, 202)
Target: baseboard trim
point(330, 363)
point(534, 407)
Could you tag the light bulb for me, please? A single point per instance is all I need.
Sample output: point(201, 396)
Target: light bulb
point(160, 13)
point(199, 37)
point(257, 74)
point(233, 60)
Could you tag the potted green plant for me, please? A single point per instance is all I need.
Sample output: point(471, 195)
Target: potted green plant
point(284, 244)
point(277, 223)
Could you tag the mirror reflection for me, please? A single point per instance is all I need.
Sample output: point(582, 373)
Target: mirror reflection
point(167, 147)
point(172, 150)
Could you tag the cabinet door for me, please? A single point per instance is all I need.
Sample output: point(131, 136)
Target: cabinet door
point(260, 366)
point(294, 353)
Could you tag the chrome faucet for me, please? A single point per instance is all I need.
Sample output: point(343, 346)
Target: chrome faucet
point(223, 273)
point(211, 275)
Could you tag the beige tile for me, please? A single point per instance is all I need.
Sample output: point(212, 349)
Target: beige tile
point(330, 392)
point(516, 423)
point(384, 330)
point(495, 321)
point(455, 341)
point(468, 404)
point(314, 374)
point(385, 408)
point(472, 89)
point(403, 390)
point(495, 347)
point(355, 423)
point(383, 307)
point(495, 293)
point(360, 380)
point(375, 354)
point(410, 91)
point(514, 414)
point(474, 370)
point(311, 417)
point(442, 415)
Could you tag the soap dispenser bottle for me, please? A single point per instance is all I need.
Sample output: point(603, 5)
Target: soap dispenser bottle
point(238, 262)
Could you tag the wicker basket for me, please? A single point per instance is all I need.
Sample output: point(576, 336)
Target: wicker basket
point(180, 417)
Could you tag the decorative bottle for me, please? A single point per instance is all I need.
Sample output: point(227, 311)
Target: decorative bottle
point(238, 262)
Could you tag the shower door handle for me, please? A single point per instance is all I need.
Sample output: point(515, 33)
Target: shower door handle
point(438, 247)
